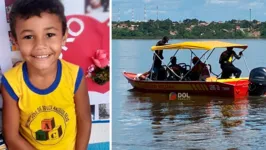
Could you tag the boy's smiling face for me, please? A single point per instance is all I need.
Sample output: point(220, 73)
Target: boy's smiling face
point(40, 39)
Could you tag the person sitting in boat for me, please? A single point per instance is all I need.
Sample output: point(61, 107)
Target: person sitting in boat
point(199, 71)
point(176, 68)
point(226, 61)
point(142, 76)
point(157, 62)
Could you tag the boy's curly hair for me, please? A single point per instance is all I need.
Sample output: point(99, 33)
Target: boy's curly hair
point(28, 8)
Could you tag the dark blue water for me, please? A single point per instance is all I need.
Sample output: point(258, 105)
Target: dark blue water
point(144, 121)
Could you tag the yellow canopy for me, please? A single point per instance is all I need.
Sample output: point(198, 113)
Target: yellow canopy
point(199, 45)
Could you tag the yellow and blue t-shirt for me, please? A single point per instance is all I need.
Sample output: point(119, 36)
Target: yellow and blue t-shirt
point(47, 117)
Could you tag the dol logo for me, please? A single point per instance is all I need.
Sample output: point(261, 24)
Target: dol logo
point(178, 96)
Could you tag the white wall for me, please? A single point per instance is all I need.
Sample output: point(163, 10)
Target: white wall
point(74, 6)
point(5, 52)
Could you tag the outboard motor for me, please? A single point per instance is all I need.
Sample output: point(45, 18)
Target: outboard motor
point(257, 79)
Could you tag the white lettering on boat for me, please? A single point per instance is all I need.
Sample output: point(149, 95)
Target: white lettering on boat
point(212, 88)
point(226, 88)
point(215, 88)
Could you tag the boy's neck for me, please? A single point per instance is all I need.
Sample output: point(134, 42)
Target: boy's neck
point(42, 73)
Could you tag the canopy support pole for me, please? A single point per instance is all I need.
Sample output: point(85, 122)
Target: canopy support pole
point(246, 64)
point(208, 56)
point(191, 52)
point(152, 68)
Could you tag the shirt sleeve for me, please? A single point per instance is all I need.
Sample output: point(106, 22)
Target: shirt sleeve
point(235, 55)
point(9, 88)
point(78, 79)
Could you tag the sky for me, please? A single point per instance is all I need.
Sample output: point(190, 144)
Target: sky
point(178, 10)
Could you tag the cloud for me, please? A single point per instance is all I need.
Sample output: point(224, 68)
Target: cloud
point(159, 11)
point(128, 11)
point(258, 4)
point(255, 4)
point(147, 1)
point(222, 1)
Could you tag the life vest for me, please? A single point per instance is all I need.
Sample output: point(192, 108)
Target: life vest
point(230, 58)
point(226, 57)
point(198, 67)
point(205, 73)
point(202, 70)
point(176, 68)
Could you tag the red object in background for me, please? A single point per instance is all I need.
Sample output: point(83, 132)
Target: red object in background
point(100, 59)
point(9, 2)
point(8, 6)
point(83, 43)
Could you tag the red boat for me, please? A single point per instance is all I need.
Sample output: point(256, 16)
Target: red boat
point(213, 86)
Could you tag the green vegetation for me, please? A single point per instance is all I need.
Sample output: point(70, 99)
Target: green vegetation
point(189, 29)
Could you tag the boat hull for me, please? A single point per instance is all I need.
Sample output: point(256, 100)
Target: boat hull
point(226, 88)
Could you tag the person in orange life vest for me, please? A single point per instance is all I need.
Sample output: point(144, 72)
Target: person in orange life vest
point(226, 62)
point(199, 71)
point(45, 99)
point(176, 68)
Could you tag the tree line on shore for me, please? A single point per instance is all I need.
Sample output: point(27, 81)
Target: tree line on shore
point(189, 29)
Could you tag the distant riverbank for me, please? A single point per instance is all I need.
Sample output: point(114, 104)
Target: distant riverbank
point(189, 29)
point(159, 37)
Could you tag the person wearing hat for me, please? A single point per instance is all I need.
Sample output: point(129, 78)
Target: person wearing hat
point(226, 61)
point(157, 62)
point(199, 71)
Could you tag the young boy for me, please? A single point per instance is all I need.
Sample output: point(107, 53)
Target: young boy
point(46, 103)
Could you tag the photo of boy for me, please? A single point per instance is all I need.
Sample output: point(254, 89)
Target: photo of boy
point(45, 99)
point(97, 9)
point(93, 112)
point(104, 111)
point(96, 6)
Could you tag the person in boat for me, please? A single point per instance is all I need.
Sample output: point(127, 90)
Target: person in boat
point(176, 68)
point(226, 62)
point(157, 62)
point(199, 71)
point(143, 76)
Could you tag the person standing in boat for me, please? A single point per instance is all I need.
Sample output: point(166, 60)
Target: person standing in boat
point(157, 59)
point(226, 61)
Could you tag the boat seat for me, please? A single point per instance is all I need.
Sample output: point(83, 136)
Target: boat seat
point(211, 79)
point(215, 79)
